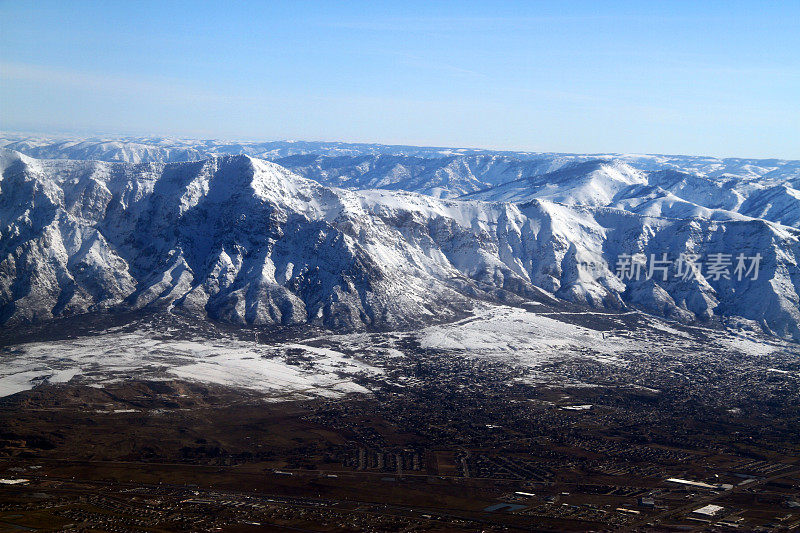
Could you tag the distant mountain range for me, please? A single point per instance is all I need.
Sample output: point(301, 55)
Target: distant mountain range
point(350, 236)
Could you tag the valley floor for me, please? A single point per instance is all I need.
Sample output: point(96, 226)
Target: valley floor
point(534, 344)
point(527, 419)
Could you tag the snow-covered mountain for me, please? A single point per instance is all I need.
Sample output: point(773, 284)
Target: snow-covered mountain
point(244, 240)
point(164, 150)
point(664, 193)
point(661, 185)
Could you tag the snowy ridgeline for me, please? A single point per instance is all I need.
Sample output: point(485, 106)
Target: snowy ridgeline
point(244, 240)
point(335, 365)
point(650, 184)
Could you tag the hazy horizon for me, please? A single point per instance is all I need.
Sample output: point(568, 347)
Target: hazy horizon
point(88, 136)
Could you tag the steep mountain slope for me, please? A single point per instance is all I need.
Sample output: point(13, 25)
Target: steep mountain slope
point(246, 241)
point(780, 203)
point(241, 239)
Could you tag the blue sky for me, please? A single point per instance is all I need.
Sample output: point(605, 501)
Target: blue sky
point(715, 78)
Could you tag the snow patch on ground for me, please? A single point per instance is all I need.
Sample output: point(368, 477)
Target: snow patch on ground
point(333, 365)
point(114, 356)
point(522, 335)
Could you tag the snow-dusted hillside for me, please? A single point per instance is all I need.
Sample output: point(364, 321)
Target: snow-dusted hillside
point(344, 156)
point(664, 193)
point(439, 175)
point(163, 150)
point(244, 240)
point(659, 185)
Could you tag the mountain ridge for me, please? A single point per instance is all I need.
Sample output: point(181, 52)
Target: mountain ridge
point(243, 240)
